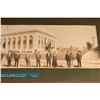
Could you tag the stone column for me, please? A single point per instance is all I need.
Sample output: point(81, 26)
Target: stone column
point(21, 47)
point(33, 43)
point(11, 43)
point(36, 38)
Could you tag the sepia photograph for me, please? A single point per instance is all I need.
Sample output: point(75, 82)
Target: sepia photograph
point(49, 46)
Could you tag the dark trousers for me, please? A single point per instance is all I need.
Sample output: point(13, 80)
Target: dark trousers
point(9, 62)
point(79, 63)
point(48, 62)
point(16, 63)
point(68, 63)
point(27, 63)
point(54, 63)
point(38, 63)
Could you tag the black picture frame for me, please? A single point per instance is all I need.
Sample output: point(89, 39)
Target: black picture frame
point(55, 75)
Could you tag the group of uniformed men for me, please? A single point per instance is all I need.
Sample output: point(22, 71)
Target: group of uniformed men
point(51, 59)
point(69, 58)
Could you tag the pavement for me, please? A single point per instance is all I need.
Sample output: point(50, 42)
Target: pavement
point(89, 60)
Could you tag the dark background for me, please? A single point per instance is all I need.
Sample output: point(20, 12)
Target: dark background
point(55, 75)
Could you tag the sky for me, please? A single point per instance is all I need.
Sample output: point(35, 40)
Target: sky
point(66, 35)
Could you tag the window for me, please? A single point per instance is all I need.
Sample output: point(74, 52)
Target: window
point(14, 41)
point(24, 42)
point(23, 52)
point(31, 42)
point(45, 41)
point(19, 42)
point(39, 42)
point(4, 43)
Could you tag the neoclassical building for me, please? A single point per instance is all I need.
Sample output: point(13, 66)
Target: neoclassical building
point(27, 41)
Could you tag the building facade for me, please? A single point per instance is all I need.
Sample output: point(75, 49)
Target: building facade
point(27, 41)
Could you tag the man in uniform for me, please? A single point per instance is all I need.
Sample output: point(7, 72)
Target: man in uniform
point(27, 59)
point(48, 58)
point(9, 58)
point(68, 59)
point(16, 58)
point(38, 59)
point(79, 58)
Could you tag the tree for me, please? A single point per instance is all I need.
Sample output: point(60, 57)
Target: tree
point(89, 45)
point(48, 46)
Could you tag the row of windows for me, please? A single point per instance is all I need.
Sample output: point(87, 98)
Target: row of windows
point(43, 41)
point(19, 45)
point(24, 42)
point(19, 38)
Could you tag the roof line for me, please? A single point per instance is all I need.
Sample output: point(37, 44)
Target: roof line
point(30, 31)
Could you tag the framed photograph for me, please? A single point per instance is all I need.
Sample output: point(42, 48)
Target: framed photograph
point(50, 50)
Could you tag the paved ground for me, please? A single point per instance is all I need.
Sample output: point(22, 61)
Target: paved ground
point(89, 60)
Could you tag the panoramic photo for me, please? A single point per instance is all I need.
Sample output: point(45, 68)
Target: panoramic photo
point(49, 46)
